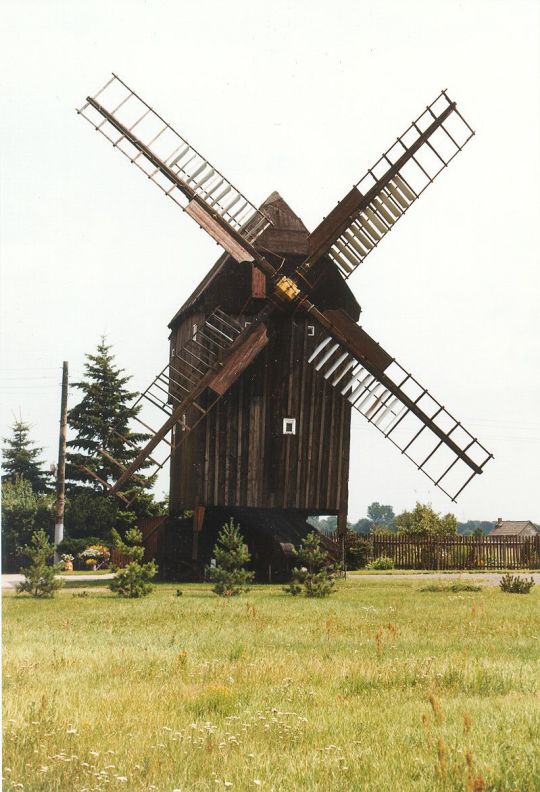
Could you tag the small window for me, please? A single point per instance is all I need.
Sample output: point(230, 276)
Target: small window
point(247, 323)
point(311, 330)
point(289, 426)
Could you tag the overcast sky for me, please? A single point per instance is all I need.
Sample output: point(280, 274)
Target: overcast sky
point(299, 97)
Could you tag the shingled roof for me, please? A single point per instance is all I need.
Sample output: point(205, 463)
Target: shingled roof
point(513, 528)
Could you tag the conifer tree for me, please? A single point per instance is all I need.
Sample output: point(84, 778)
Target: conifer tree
point(135, 580)
point(40, 575)
point(21, 458)
point(102, 420)
point(103, 413)
point(316, 576)
point(229, 575)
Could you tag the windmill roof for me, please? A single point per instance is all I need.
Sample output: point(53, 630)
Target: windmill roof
point(287, 236)
point(511, 527)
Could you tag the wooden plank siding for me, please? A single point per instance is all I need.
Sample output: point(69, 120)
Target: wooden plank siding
point(238, 456)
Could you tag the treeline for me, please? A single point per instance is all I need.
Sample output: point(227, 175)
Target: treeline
point(100, 422)
point(422, 520)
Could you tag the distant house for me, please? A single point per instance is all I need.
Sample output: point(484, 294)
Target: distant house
point(514, 528)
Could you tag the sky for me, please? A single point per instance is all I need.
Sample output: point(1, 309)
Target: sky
point(300, 97)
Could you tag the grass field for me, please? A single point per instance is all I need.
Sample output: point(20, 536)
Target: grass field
point(382, 687)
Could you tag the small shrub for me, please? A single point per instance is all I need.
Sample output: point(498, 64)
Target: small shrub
point(514, 584)
point(229, 576)
point(40, 580)
point(135, 580)
point(358, 549)
point(316, 577)
point(383, 562)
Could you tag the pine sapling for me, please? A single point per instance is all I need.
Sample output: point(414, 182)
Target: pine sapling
point(229, 575)
point(40, 576)
point(315, 577)
point(135, 579)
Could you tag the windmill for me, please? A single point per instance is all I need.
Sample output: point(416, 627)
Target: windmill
point(267, 359)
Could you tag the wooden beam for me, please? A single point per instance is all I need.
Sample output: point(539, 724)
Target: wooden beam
point(258, 283)
point(201, 215)
point(239, 360)
point(363, 344)
point(325, 233)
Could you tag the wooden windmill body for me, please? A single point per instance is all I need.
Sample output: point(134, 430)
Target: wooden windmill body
point(275, 449)
point(267, 359)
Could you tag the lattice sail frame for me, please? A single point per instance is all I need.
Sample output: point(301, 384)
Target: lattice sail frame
point(391, 201)
point(407, 414)
point(160, 140)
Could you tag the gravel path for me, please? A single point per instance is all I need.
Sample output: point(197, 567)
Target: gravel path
point(10, 581)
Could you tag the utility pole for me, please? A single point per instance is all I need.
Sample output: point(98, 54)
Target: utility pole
point(61, 467)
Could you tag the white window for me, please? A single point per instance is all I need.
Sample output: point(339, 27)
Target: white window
point(289, 426)
point(311, 330)
point(247, 323)
point(194, 332)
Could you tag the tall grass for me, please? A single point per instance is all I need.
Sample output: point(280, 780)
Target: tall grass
point(380, 688)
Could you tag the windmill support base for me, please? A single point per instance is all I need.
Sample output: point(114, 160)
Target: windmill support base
point(187, 543)
point(342, 531)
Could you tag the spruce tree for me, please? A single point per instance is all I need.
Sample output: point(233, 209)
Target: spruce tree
point(98, 419)
point(102, 420)
point(21, 458)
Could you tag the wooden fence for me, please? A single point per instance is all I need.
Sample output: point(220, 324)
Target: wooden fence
point(461, 552)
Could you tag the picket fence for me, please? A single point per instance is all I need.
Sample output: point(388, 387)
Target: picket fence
point(460, 552)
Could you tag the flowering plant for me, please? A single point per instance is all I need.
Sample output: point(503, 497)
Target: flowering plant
point(67, 557)
point(95, 556)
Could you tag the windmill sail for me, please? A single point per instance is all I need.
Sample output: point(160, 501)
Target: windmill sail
point(393, 401)
point(388, 189)
point(173, 164)
point(210, 361)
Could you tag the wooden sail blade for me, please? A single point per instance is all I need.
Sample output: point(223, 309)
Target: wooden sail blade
point(358, 223)
point(175, 166)
point(391, 399)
